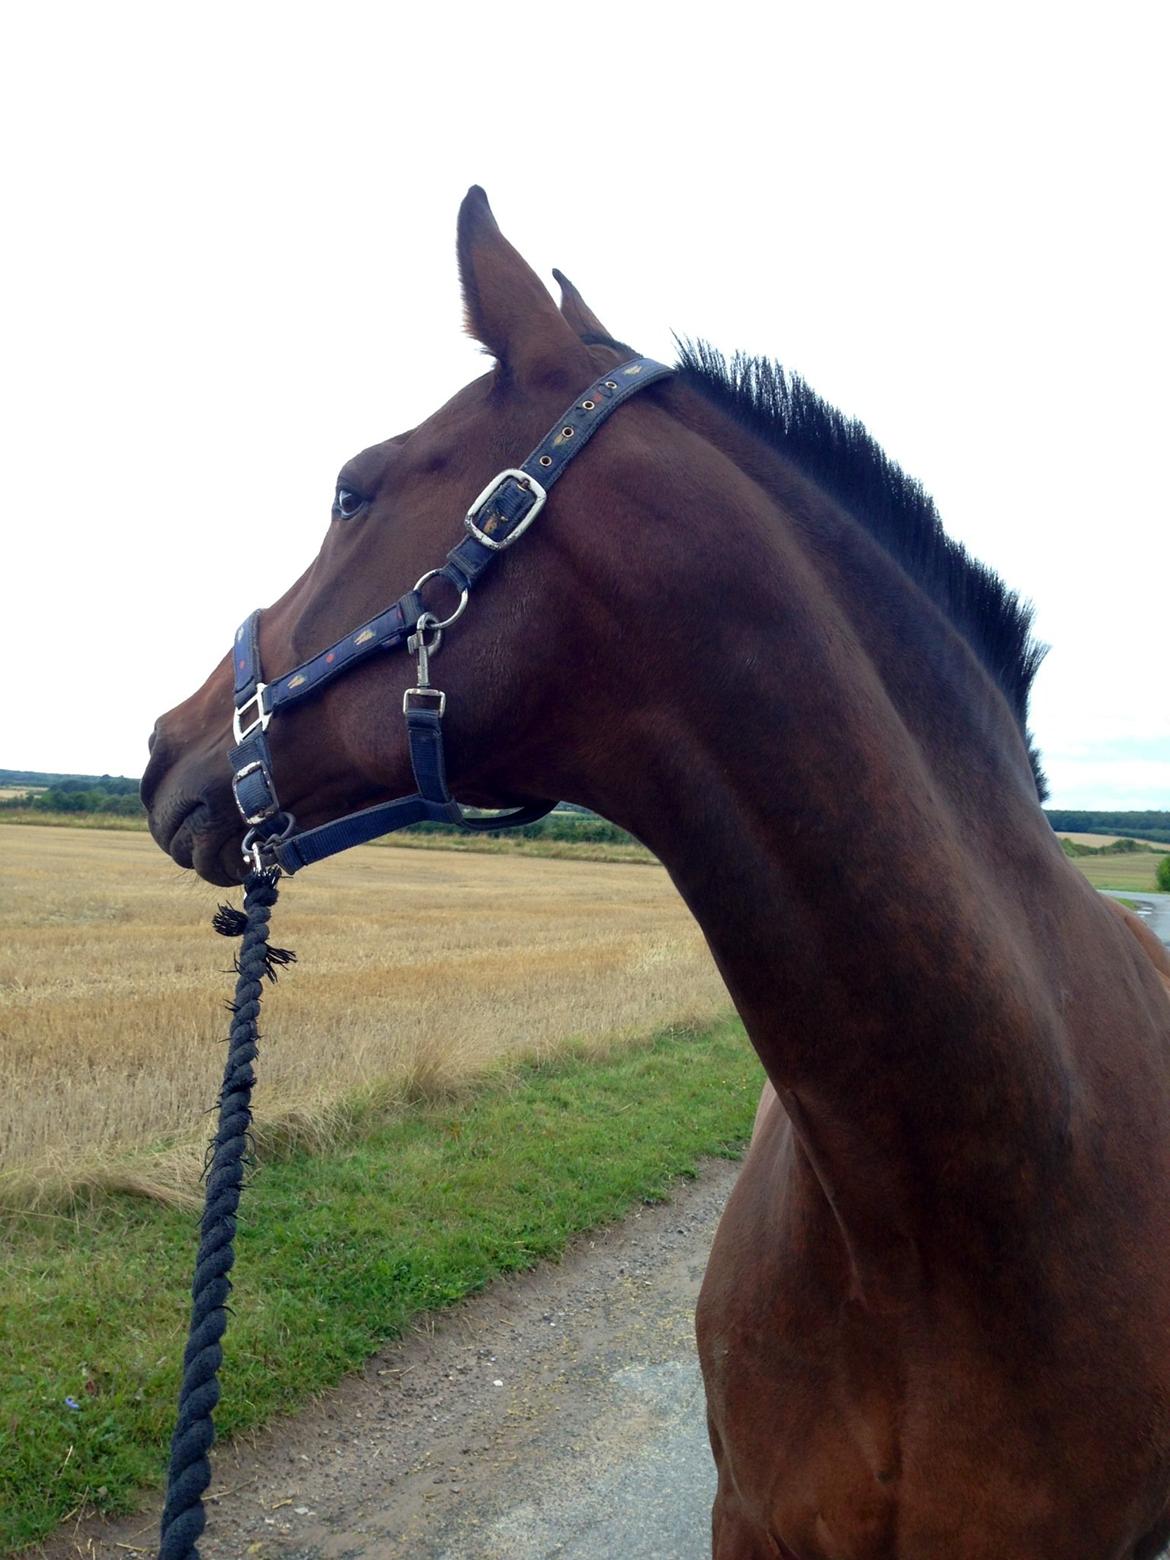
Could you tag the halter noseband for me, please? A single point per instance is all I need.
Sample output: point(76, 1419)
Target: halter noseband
point(497, 518)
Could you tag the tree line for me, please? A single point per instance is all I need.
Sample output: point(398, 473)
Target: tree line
point(112, 794)
point(118, 795)
point(1150, 825)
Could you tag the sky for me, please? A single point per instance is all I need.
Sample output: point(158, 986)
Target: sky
point(231, 265)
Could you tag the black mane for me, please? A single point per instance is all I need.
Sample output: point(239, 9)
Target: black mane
point(840, 456)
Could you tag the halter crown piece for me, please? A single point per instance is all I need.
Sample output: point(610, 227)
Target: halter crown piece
point(497, 518)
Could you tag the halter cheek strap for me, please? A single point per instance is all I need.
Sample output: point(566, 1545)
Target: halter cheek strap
point(497, 518)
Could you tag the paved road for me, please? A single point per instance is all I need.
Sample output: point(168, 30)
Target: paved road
point(1153, 908)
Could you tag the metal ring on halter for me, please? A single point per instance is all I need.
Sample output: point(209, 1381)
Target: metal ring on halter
point(252, 848)
point(458, 612)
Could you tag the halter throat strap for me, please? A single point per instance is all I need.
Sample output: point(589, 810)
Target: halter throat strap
point(498, 517)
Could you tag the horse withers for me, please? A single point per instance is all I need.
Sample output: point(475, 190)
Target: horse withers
point(936, 1320)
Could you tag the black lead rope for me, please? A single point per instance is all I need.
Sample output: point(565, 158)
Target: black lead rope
point(189, 1473)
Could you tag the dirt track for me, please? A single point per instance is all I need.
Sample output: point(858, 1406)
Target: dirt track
point(557, 1414)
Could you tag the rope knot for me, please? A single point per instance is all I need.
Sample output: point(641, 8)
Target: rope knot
point(230, 922)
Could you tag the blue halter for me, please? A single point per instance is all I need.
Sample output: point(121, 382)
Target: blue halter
point(498, 517)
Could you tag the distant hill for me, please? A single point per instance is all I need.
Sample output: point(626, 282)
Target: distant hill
point(1134, 825)
point(10, 778)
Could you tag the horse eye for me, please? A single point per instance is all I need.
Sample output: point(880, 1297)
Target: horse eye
point(347, 502)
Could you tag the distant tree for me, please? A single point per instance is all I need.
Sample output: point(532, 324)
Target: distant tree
point(1162, 876)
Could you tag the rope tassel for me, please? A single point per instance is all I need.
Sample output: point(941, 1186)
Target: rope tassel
point(189, 1474)
point(230, 922)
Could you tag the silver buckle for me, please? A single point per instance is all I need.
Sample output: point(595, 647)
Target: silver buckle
point(273, 807)
point(263, 716)
point(525, 480)
point(430, 693)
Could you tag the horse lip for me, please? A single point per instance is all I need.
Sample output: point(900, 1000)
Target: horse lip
point(189, 836)
point(218, 860)
point(174, 826)
point(177, 834)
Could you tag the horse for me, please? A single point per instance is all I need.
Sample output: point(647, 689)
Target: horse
point(936, 1317)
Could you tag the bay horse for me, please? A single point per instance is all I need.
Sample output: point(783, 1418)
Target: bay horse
point(935, 1324)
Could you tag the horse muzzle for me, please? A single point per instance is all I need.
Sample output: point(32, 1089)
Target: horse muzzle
point(191, 812)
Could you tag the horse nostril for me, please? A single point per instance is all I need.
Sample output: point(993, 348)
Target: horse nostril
point(156, 766)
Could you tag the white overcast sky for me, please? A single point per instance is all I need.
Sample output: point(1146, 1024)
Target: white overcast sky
point(230, 265)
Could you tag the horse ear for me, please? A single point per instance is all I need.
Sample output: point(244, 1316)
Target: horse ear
point(577, 312)
point(507, 306)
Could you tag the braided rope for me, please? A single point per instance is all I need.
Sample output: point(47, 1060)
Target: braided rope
point(189, 1474)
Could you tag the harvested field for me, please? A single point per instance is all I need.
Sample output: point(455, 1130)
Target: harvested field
point(418, 969)
point(1098, 841)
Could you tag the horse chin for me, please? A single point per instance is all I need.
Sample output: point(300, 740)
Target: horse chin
point(222, 862)
point(197, 838)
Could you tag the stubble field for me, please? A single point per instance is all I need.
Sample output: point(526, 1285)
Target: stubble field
point(417, 970)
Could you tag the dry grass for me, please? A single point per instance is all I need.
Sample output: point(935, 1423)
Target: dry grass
point(73, 820)
point(517, 845)
point(417, 970)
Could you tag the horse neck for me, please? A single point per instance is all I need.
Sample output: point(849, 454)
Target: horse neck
point(844, 799)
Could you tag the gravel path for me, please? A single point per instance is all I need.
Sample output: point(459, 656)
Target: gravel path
point(558, 1414)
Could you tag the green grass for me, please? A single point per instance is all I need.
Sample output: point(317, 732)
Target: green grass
point(336, 1254)
point(1134, 873)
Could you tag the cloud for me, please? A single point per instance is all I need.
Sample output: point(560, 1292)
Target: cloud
point(1123, 773)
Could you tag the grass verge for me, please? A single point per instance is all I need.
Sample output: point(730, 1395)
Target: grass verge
point(336, 1254)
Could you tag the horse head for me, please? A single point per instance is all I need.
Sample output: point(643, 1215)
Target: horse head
point(394, 518)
